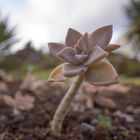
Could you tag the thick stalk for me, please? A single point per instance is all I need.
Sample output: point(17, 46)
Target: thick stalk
point(90, 100)
point(64, 105)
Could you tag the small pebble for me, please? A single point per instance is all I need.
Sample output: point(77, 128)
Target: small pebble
point(3, 121)
point(118, 114)
point(106, 111)
point(115, 138)
point(129, 118)
point(129, 109)
point(3, 118)
point(19, 119)
point(87, 130)
point(96, 111)
point(137, 111)
point(94, 121)
point(122, 128)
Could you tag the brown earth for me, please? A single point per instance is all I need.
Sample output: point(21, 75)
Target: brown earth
point(35, 124)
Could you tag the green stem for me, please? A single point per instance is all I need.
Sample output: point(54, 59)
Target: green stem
point(64, 105)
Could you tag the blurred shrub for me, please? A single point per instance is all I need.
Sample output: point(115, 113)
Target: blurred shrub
point(31, 60)
point(132, 33)
point(50, 62)
point(7, 37)
point(28, 59)
point(124, 65)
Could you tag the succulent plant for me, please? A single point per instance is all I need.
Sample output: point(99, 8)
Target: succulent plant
point(85, 54)
point(85, 57)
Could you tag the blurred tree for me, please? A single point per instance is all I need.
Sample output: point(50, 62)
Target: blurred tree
point(7, 36)
point(29, 54)
point(132, 33)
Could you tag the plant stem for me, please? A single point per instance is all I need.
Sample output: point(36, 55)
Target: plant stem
point(90, 100)
point(64, 105)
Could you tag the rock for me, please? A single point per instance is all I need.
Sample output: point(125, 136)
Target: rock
point(129, 109)
point(88, 88)
point(109, 90)
point(3, 121)
point(122, 128)
point(19, 119)
point(118, 114)
point(19, 102)
point(87, 131)
point(137, 111)
point(94, 121)
point(96, 111)
point(27, 82)
point(106, 111)
point(3, 118)
point(105, 102)
point(78, 106)
point(79, 103)
point(128, 118)
point(120, 88)
point(3, 87)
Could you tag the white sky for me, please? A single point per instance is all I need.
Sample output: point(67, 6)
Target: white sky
point(42, 21)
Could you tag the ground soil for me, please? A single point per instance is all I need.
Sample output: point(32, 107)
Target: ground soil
point(35, 124)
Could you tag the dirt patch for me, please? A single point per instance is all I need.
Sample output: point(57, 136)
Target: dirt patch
point(123, 123)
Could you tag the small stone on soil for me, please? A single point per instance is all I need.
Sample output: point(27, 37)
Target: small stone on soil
point(87, 130)
point(96, 111)
point(19, 119)
point(121, 128)
point(128, 118)
point(137, 111)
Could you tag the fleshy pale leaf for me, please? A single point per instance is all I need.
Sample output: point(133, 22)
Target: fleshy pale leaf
point(83, 43)
point(112, 47)
point(73, 70)
point(77, 49)
point(96, 55)
point(101, 37)
point(72, 37)
point(55, 47)
point(57, 75)
point(81, 57)
point(68, 54)
point(102, 73)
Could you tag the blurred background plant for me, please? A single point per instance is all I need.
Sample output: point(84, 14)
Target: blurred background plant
point(7, 37)
point(132, 33)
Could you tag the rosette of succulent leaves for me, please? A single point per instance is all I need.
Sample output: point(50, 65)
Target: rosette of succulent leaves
point(85, 56)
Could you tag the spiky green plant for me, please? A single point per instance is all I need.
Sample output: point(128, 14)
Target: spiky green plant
point(7, 36)
point(132, 33)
